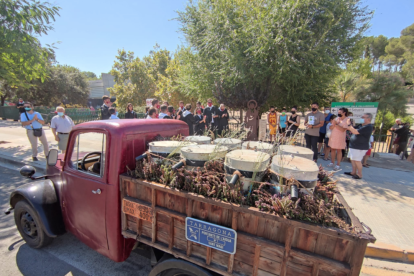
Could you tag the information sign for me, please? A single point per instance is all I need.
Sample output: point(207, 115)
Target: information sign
point(211, 235)
point(148, 102)
point(357, 108)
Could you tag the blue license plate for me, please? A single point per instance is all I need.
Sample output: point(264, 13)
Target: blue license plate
point(211, 235)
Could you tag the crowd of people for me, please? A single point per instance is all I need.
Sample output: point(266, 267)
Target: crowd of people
point(327, 135)
point(199, 120)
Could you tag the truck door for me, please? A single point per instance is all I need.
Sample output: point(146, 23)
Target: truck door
point(85, 188)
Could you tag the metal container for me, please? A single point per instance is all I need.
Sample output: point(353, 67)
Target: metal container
point(302, 169)
point(201, 140)
point(168, 148)
point(231, 143)
point(258, 146)
point(296, 151)
point(196, 156)
point(248, 163)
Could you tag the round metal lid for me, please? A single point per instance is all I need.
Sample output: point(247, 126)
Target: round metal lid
point(247, 160)
point(257, 145)
point(168, 146)
point(204, 152)
point(198, 139)
point(295, 150)
point(293, 163)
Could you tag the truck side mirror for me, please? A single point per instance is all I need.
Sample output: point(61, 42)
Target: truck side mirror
point(52, 157)
point(27, 171)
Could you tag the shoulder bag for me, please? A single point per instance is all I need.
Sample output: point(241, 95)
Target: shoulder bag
point(37, 132)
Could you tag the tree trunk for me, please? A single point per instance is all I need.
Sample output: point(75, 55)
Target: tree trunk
point(3, 98)
point(241, 116)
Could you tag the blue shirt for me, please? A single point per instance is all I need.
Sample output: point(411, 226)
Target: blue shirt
point(327, 119)
point(282, 121)
point(35, 124)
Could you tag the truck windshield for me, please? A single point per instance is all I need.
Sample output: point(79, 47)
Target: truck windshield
point(88, 154)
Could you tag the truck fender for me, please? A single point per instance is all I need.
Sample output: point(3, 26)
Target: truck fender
point(169, 262)
point(42, 196)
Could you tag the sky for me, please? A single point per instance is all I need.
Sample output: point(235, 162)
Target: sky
point(89, 33)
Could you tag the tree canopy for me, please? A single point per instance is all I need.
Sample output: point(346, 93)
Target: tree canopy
point(272, 51)
point(64, 84)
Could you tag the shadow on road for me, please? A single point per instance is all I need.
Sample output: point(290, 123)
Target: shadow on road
point(32, 262)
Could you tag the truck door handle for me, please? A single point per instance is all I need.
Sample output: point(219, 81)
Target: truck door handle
point(98, 191)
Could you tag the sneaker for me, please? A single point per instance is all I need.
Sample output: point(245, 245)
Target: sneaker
point(330, 165)
point(35, 159)
point(322, 154)
point(336, 168)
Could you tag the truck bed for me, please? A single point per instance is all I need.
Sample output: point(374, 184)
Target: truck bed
point(266, 244)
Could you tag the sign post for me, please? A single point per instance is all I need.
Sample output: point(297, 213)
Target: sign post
point(358, 109)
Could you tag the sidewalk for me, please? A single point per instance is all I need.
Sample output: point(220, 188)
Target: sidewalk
point(384, 201)
point(15, 149)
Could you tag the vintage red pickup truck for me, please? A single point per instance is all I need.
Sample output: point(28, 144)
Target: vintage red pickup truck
point(87, 192)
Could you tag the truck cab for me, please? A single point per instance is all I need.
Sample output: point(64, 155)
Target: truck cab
point(80, 192)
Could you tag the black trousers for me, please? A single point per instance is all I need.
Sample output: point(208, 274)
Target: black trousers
point(312, 143)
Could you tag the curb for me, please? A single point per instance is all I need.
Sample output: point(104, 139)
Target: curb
point(389, 252)
point(11, 161)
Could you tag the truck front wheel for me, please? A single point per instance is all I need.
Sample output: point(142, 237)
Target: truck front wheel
point(29, 225)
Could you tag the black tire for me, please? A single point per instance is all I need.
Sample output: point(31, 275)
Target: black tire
point(29, 225)
point(177, 272)
point(169, 266)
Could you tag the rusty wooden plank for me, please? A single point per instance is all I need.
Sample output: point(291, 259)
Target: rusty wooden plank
point(219, 258)
point(230, 264)
point(171, 242)
point(256, 259)
point(324, 262)
point(288, 242)
point(305, 240)
point(123, 193)
point(189, 214)
point(208, 255)
point(269, 265)
point(154, 214)
point(358, 257)
point(315, 269)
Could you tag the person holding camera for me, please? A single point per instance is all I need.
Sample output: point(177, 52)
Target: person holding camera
point(403, 134)
point(33, 122)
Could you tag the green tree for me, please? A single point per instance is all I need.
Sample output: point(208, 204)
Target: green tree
point(133, 83)
point(388, 90)
point(270, 48)
point(65, 84)
point(22, 58)
point(90, 75)
point(377, 49)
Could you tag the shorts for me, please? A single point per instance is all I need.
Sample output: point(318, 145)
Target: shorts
point(272, 131)
point(321, 137)
point(291, 133)
point(282, 130)
point(356, 154)
point(327, 141)
point(63, 141)
point(368, 152)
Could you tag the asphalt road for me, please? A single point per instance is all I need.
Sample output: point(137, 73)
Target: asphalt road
point(65, 256)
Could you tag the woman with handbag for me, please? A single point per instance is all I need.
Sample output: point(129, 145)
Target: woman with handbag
point(33, 121)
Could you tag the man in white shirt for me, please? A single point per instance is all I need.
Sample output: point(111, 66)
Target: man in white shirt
point(152, 113)
point(61, 126)
point(163, 112)
point(114, 114)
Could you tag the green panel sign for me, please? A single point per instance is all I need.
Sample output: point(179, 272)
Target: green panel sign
point(358, 109)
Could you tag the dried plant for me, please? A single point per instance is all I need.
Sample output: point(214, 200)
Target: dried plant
point(210, 181)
